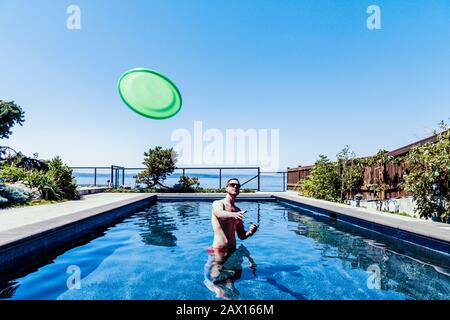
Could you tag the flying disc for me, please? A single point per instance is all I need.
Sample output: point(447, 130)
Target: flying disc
point(149, 94)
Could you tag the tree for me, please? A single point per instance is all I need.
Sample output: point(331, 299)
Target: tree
point(10, 114)
point(20, 160)
point(349, 171)
point(159, 163)
point(429, 174)
point(323, 182)
point(380, 181)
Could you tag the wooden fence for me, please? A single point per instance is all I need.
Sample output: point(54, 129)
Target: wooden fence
point(391, 176)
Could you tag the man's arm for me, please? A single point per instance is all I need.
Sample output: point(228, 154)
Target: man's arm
point(242, 234)
point(220, 213)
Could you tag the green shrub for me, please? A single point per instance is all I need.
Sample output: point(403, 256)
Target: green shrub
point(61, 174)
point(186, 184)
point(54, 184)
point(323, 182)
point(53, 179)
point(14, 194)
point(11, 173)
point(429, 176)
point(45, 184)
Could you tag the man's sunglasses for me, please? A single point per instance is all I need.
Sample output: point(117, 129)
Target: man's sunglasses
point(234, 185)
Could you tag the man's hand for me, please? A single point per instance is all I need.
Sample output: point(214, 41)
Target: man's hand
point(252, 230)
point(238, 215)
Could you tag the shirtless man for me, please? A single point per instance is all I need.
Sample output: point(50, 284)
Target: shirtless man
point(227, 219)
point(224, 261)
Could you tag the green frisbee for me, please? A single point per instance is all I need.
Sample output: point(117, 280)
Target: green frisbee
point(149, 93)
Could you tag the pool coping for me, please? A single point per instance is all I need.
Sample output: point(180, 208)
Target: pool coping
point(28, 243)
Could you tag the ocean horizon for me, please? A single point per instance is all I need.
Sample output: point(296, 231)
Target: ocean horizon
point(268, 181)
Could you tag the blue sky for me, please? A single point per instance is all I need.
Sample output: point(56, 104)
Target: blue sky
point(310, 68)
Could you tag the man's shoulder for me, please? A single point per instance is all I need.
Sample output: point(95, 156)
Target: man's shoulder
point(218, 202)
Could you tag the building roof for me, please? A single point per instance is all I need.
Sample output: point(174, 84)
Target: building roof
point(404, 150)
point(301, 168)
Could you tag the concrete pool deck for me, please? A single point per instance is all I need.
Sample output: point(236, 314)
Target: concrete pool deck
point(27, 232)
point(18, 217)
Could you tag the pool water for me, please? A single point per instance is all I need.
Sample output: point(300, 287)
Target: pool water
point(161, 253)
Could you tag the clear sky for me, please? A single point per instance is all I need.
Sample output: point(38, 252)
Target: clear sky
point(310, 68)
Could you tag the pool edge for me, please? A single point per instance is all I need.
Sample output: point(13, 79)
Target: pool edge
point(28, 244)
point(344, 214)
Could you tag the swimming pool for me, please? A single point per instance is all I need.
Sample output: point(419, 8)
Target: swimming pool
point(160, 253)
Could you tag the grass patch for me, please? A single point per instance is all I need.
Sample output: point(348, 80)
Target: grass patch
point(404, 214)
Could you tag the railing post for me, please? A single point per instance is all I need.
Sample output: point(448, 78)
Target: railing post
point(95, 177)
point(284, 182)
point(112, 176)
point(123, 176)
point(184, 172)
point(259, 179)
point(220, 178)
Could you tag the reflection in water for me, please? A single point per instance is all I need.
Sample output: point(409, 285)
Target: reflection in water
point(158, 227)
point(8, 290)
point(188, 211)
point(223, 268)
point(258, 215)
point(360, 250)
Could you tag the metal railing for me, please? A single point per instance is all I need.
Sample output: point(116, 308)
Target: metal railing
point(115, 176)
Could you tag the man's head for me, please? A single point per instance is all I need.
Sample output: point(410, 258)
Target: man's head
point(233, 187)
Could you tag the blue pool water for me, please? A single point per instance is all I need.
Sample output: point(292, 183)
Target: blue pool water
point(160, 253)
